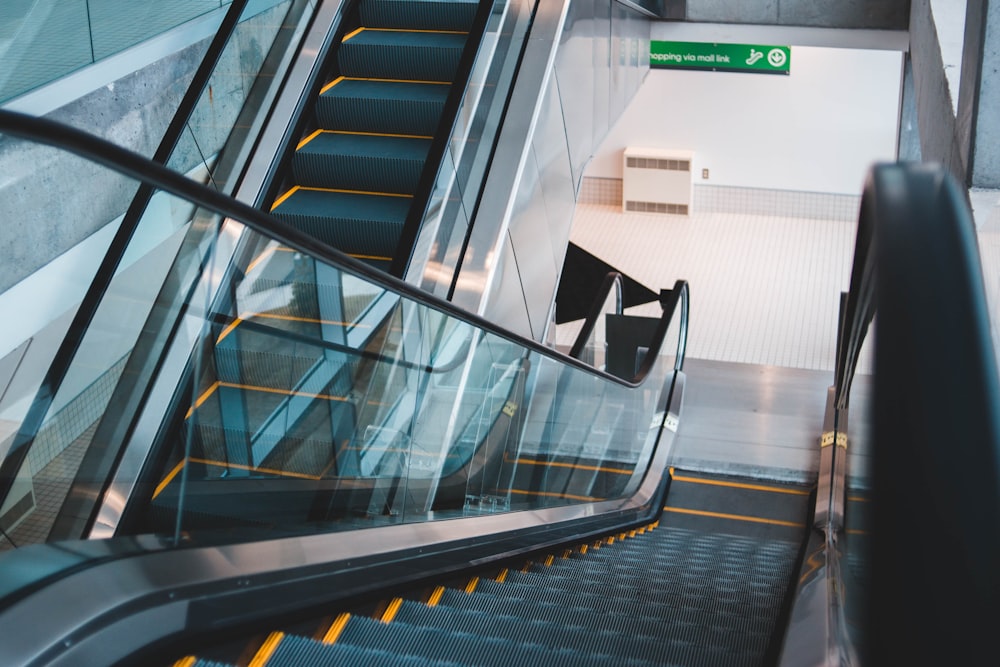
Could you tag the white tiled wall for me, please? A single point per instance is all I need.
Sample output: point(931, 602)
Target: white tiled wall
point(765, 289)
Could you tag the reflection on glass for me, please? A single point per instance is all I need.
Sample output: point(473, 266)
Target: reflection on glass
point(325, 402)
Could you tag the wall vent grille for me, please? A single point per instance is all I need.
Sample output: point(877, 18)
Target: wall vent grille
point(656, 180)
point(656, 207)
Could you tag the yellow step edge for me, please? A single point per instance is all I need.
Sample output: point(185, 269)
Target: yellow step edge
point(435, 597)
point(337, 627)
point(527, 566)
point(295, 189)
point(355, 33)
point(583, 548)
point(169, 478)
point(471, 586)
point(267, 649)
point(331, 84)
point(186, 661)
point(308, 139)
point(375, 257)
point(567, 553)
point(392, 610)
point(549, 560)
point(374, 78)
point(502, 577)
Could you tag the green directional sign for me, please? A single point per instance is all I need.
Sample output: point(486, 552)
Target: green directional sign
point(760, 58)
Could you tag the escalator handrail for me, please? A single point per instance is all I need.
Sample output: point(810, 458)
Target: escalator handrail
point(132, 164)
point(612, 281)
point(442, 140)
point(936, 445)
point(936, 392)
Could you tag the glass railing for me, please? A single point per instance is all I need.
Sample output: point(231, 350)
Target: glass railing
point(214, 124)
point(43, 40)
point(316, 394)
point(441, 227)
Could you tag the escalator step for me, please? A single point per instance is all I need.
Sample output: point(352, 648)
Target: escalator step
point(419, 14)
point(718, 599)
point(396, 107)
point(355, 223)
point(648, 640)
point(372, 163)
point(649, 610)
point(756, 593)
point(297, 651)
point(469, 649)
point(398, 54)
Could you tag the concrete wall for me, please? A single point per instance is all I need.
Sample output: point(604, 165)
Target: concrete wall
point(874, 14)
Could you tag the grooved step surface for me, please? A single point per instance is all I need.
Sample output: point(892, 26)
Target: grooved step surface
point(371, 105)
point(419, 14)
point(371, 163)
point(394, 54)
point(354, 223)
point(299, 651)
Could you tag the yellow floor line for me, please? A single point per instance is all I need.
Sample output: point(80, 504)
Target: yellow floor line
point(740, 485)
point(735, 517)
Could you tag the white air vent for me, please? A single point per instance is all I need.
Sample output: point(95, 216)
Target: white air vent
point(657, 181)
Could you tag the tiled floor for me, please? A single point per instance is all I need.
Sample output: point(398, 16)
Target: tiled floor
point(764, 290)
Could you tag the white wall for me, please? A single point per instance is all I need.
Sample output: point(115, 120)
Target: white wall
point(817, 129)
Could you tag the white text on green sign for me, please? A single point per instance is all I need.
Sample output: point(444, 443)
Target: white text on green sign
point(722, 57)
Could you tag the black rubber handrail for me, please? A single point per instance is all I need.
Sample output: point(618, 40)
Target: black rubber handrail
point(612, 281)
point(935, 511)
point(442, 140)
point(127, 162)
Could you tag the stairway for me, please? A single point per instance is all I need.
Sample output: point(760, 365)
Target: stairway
point(353, 178)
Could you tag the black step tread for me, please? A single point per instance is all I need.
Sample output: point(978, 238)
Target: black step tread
point(470, 649)
point(376, 105)
point(419, 14)
point(401, 55)
point(497, 604)
point(363, 162)
point(294, 651)
point(574, 629)
point(355, 223)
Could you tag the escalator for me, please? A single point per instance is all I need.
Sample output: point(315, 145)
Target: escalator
point(700, 586)
point(355, 174)
point(350, 469)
